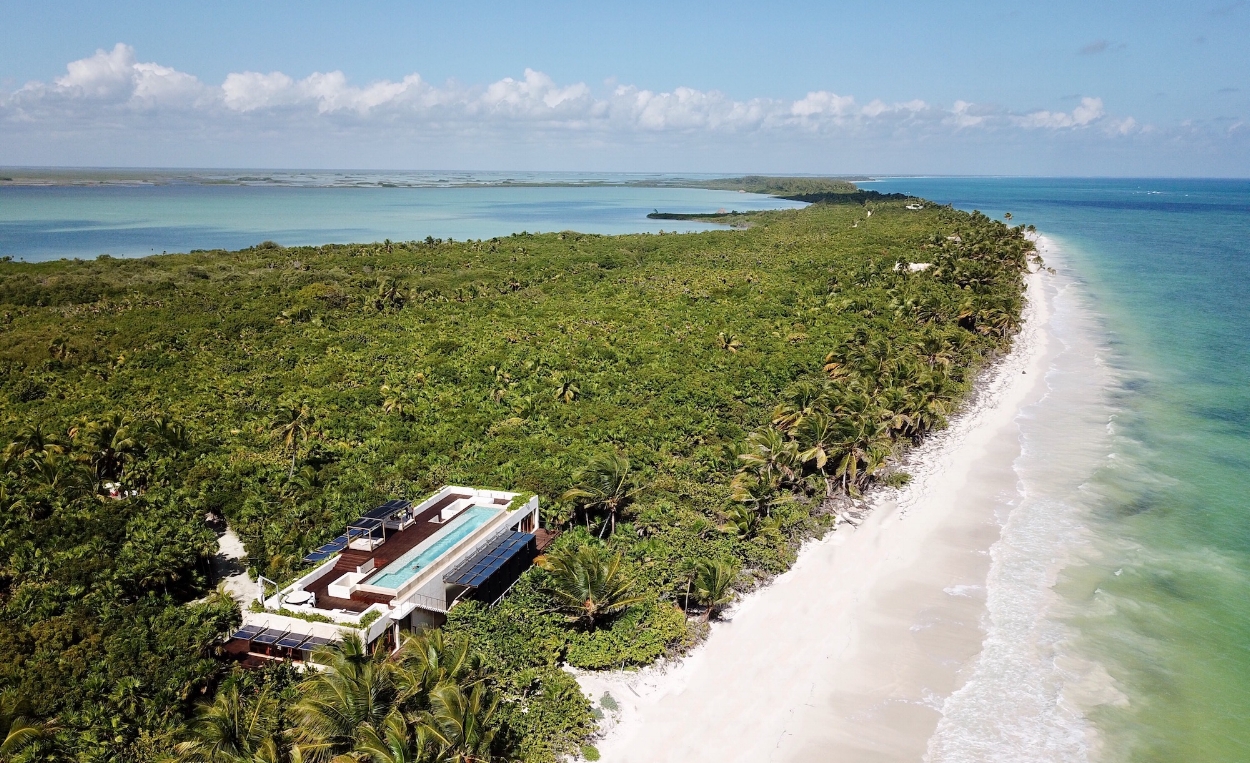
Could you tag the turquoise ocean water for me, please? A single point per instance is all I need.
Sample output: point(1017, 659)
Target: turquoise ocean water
point(1135, 482)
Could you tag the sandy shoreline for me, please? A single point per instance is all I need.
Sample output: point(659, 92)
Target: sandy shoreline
point(850, 654)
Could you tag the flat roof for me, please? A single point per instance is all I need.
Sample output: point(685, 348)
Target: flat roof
point(432, 550)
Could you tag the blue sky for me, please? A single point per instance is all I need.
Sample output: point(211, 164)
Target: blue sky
point(1142, 88)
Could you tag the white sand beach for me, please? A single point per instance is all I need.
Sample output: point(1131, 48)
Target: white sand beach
point(850, 655)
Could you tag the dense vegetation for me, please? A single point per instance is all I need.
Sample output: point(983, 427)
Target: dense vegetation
point(785, 185)
point(688, 407)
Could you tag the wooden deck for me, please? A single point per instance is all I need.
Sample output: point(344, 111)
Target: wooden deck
point(543, 538)
point(396, 545)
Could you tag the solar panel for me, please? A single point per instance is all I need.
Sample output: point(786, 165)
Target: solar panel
point(364, 524)
point(334, 546)
point(487, 563)
point(312, 644)
point(293, 640)
point(316, 556)
point(270, 636)
point(247, 632)
point(387, 509)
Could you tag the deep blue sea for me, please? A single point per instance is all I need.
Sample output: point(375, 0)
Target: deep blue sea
point(1149, 656)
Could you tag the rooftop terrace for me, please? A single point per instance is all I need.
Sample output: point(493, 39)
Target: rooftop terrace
point(399, 566)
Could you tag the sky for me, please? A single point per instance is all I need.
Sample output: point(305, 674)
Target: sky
point(1056, 88)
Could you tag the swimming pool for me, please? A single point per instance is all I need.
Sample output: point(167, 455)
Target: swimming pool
point(400, 571)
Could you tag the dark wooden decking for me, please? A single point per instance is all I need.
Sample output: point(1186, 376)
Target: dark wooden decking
point(543, 538)
point(396, 545)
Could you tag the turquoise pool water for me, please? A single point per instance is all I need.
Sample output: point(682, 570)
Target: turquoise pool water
point(405, 567)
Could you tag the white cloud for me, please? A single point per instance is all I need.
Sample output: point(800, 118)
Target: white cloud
point(537, 95)
point(248, 91)
point(962, 115)
point(155, 84)
point(113, 84)
point(824, 104)
point(106, 74)
point(1090, 111)
point(1121, 126)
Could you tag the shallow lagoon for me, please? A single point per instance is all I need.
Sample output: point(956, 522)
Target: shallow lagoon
point(50, 222)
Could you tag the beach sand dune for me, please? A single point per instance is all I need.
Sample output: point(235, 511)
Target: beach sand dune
point(849, 655)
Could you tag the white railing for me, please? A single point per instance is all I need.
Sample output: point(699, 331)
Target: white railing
point(431, 603)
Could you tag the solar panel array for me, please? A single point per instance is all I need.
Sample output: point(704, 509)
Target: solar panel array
point(371, 520)
point(489, 561)
point(270, 636)
point(313, 642)
point(365, 524)
point(387, 509)
point(328, 550)
point(280, 638)
point(247, 632)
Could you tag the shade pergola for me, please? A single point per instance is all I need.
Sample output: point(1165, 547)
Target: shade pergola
point(367, 527)
point(389, 509)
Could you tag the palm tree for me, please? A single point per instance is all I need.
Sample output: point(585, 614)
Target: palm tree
point(935, 350)
point(728, 342)
point(110, 443)
point(803, 398)
point(390, 294)
point(59, 474)
point(461, 723)
point(169, 433)
point(394, 742)
point(31, 440)
point(713, 584)
point(304, 483)
point(896, 409)
point(17, 730)
point(58, 350)
point(865, 444)
point(566, 389)
point(501, 382)
point(431, 658)
point(231, 729)
point(352, 690)
point(588, 583)
point(292, 426)
point(744, 524)
point(754, 493)
point(397, 402)
point(770, 457)
point(817, 435)
point(604, 484)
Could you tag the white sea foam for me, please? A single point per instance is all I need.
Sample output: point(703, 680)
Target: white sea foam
point(1026, 697)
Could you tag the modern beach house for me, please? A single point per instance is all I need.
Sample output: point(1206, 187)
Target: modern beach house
point(399, 567)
